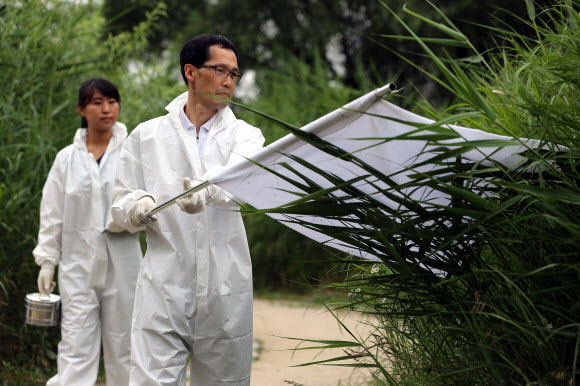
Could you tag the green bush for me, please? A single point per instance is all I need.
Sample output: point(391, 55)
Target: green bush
point(46, 50)
point(484, 290)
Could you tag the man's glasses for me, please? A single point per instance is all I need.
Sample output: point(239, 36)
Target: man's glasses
point(223, 72)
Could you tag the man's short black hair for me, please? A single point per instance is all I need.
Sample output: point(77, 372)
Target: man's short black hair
point(196, 51)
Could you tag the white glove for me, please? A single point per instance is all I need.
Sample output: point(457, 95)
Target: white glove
point(45, 283)
point(138, 212)
point(194, 202)
point(215, 195)
point(113, 227)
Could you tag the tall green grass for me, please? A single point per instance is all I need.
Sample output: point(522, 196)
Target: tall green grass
point(282, 259)
point(46, 50)
point(490, 292)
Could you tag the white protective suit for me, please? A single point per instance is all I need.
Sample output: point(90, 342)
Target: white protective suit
point(98, 271)
point(194, 292)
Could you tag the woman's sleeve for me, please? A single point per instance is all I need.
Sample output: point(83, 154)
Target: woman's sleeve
point(49, 246)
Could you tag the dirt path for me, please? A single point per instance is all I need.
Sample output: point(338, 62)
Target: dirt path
point(276, 319)
point(273, 319)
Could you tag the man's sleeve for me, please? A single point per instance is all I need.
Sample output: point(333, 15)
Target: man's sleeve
point(247, 144)
point(129, 183)
point(248, 141)
point(49, 246)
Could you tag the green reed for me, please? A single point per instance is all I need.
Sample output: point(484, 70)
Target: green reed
point(490, 294)
point(46, 50)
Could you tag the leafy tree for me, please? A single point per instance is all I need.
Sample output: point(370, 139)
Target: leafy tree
point(353, 29)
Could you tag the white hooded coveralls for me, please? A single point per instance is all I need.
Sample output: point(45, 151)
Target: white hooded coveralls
point(97, 271)
point(194, 292)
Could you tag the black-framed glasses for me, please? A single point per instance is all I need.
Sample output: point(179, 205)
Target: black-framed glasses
point(223, 72)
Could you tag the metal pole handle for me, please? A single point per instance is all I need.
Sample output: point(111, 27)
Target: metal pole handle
point(194, 189)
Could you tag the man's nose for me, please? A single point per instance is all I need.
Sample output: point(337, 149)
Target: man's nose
point(228, 81)
point(106, 108)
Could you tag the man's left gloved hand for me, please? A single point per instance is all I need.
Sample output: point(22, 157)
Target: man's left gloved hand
point(194, 202)
point(215, 195)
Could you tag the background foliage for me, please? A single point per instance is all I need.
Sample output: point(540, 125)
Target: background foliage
point(308, 58)
point(46, 50)
point(485, 289)
point(266, 32)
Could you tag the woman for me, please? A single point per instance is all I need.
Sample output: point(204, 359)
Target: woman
point(99, 262)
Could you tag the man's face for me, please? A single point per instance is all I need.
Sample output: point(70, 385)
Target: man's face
point(207, 83)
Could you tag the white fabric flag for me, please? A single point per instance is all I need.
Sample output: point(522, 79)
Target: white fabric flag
point(359, 128)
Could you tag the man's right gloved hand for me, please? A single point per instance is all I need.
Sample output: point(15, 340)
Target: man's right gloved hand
point(138, 213)
point(113, 227)
point(45, 283)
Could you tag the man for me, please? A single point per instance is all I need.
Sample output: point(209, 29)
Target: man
point(194, 292)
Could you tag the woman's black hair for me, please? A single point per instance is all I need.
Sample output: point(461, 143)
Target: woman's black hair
point(88, 89)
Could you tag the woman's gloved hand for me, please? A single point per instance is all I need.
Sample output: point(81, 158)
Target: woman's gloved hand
point(45, 283)
point(138, 213)
point(194, 202)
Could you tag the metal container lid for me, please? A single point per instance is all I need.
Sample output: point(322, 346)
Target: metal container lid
point(37, 297)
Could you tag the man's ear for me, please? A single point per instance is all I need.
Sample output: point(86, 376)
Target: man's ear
point(190, 72)
point(81, 110)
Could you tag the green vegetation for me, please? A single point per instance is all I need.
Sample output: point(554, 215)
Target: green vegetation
point(45, 54)
point(46, 51)
point(485, 290)
point(266, 32)
point(505, 309)
point(283, 259)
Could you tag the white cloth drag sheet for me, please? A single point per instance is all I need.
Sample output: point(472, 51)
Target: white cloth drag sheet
point(360, 128)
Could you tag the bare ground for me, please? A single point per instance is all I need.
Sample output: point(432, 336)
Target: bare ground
point(276, 319)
